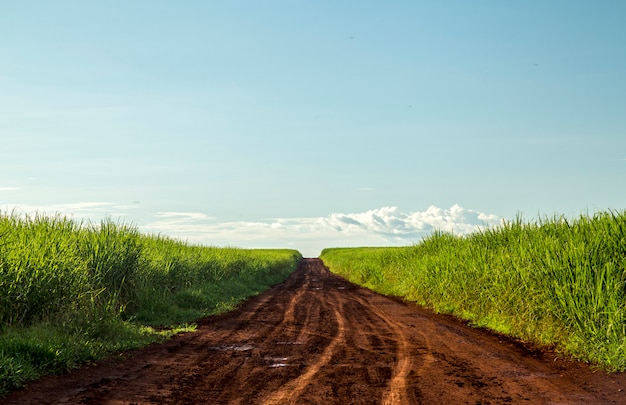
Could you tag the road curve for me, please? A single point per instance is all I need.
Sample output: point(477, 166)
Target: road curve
point(318, 339)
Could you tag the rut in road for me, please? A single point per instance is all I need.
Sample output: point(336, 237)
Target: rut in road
point(318, 339)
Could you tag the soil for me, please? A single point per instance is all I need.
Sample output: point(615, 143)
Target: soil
point(318, 339)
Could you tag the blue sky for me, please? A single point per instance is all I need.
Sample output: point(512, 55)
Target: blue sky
point(311, 124)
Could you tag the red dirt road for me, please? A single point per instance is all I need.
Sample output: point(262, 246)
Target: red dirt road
point(317, 339)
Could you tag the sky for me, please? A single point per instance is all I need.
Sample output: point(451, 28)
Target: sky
point(311, 124)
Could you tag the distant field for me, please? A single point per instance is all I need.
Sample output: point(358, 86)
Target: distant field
point(71, 292)
point(557, 281)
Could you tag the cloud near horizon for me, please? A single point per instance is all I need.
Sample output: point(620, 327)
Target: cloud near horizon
point(91, 210)
point(385, 226)
point(391, 222)
point(381, 226)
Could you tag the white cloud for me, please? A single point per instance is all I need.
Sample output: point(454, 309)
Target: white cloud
point(188, 225)
point(381, 226)
point(391, 222)
point(385, 226)
point(90, 210)
point(183, 216)
point(9, 188)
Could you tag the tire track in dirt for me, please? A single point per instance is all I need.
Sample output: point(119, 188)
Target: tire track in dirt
point(291, 391)
point(397, 393)
point(318, 339)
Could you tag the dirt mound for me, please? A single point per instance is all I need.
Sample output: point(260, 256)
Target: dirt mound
point(319, 339)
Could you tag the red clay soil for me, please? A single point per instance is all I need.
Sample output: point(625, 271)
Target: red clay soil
point(318, 339)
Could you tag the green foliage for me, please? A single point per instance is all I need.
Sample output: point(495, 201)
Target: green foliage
point(113, 254)
point(41, 269)
point(182, 282)
point(70, 293)
point(556, 281)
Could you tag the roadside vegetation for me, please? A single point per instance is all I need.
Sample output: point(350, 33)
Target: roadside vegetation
point(71, 293)
point(556, 281)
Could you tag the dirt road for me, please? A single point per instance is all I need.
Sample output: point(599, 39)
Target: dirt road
point(317, 339)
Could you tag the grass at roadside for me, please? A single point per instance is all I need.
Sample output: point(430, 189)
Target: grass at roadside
point(71, 293)
point(556, 281)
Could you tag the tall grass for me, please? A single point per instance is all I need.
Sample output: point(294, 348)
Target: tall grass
point(71, 292)
point(554, 281)
point(180, 282)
